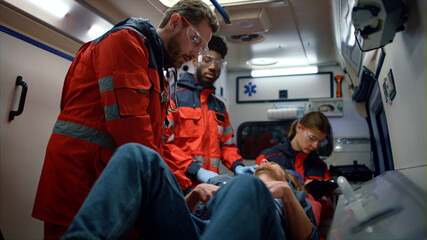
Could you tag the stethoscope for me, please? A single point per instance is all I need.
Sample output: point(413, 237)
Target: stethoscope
point(175, 80)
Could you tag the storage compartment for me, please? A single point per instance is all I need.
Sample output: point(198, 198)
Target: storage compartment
point(347, 150)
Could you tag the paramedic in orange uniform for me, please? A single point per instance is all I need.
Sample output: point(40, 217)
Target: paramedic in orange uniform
point(114, 93)
point(199, 134)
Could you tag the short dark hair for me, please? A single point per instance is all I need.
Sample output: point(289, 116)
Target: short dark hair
point(217, 44)
point(194, 11)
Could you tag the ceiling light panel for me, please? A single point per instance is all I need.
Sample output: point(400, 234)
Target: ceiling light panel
point(67, 17)
point(57, 9)
point(284, 71)
point(262, 61)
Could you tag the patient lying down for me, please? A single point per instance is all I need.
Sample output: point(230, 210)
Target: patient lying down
point(138, 191)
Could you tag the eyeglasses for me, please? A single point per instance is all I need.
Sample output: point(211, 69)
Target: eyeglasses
point(194, 36)
point(313, 139)
point(207, 60)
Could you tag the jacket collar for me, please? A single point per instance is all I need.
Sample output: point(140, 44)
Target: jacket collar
point(287, 147)
point(146, 28)
point(150, 32)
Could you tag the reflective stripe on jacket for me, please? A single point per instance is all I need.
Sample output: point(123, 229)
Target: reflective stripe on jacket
point(199, 133)
point(111, 96)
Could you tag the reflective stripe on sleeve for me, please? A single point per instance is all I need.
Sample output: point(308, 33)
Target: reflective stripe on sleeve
point(229, 142)
point(84, 133)
point(220, 130)
point(112, 112)
point(106, 84)
point(171, 138)
point(215, 162)
point(228, 130)
point(171, 125)
point(199, 160)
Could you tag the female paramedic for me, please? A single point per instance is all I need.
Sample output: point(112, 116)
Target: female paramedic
point(297, 152)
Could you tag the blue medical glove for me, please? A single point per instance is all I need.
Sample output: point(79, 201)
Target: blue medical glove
point(203, 175)
point(245, 169)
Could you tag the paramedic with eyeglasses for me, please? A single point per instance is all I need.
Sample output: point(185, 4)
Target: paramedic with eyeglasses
point(297, 152)
point(199, 134)
point(114, 93)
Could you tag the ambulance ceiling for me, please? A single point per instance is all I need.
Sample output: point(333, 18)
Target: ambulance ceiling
point(262, 33)
point(287, 32)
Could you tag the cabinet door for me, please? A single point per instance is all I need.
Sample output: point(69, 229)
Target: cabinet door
point(24, 139)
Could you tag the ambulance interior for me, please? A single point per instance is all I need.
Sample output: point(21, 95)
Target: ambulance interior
point(362, 63)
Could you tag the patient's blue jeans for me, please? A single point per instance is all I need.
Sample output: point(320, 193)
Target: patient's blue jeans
point(137, 189)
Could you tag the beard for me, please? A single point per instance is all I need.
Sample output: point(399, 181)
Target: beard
point(268, 170)
point(174, 51)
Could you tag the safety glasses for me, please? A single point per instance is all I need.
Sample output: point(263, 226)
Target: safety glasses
point(313, 139)
point(207, 60)
point(194, 36)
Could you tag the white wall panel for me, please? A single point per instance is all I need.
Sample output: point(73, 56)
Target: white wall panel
point(24, 139)
point(297, 87)
point(406, 114)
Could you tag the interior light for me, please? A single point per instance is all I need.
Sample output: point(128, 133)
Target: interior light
point(284, 71)
point(352, 39)
point(168, 3)
point(96, 31)
point(338, 148)
point(54, 7)
point(61, 16)
point(245, 24)
point(261, 61)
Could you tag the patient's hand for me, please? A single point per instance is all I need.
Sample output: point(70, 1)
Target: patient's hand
point(205, 191)
point(201, 193)
point(279, 189)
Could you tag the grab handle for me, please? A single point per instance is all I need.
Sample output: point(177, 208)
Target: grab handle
point(221, 11)
point(24, 85)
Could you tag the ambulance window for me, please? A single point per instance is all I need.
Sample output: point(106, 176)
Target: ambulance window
point(253, 137)
point(382, 155)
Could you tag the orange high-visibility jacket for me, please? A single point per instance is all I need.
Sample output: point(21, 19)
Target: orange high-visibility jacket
point(199, 133)
point(111, 96)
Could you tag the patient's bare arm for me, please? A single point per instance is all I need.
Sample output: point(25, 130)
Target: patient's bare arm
point(299, 224)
